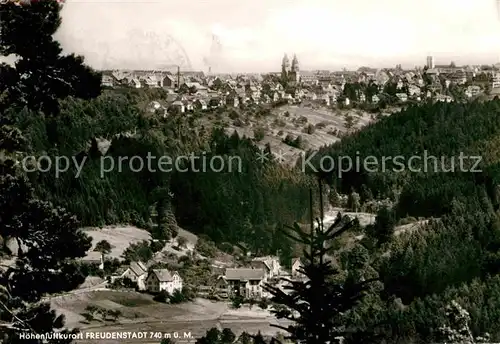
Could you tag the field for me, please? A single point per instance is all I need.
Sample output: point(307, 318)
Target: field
point(141, 313)
point(278, 126)
point(120, 237)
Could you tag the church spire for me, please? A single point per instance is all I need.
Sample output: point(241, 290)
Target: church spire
point(295, 64)
point(285, 64)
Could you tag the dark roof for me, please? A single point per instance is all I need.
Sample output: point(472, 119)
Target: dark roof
point(138, 268)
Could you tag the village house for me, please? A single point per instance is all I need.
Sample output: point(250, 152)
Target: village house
point(188, 105)
point(135, 83)
point(472, 91)
point(169, 81)
point(296, 266)
point(444, 98)
point(178, 106)
point(402, 97)
point(413, 90)
point(136, 272)
point(107, 81)
point(246, 282)
point(271, 265)
point(200, 104)
point(163, 280)
point(232, 101)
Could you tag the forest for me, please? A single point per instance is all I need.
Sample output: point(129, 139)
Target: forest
point(456, 254)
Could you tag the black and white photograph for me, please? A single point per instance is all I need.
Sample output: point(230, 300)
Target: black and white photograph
point(249, 172)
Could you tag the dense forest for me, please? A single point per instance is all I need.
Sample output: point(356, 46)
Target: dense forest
point(456, 254)
point(252, 198)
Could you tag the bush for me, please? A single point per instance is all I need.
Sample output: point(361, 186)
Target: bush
point(234, 114)
point(321, 125)
point(310, 129)
point(236, 301)
point(206, 248)
point(177, 297)
point(406, 221)
point(163, 297)
point(182, 241)
point(264, 303)
point(259, 134)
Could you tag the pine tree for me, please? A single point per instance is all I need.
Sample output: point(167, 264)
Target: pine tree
point(315, 306)
point(382, 230)
point(48, 242)
point(41, 75)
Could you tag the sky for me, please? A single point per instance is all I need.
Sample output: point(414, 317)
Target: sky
point(255, 34)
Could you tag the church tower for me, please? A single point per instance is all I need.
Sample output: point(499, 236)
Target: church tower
point(285, 67)
point(294, 75)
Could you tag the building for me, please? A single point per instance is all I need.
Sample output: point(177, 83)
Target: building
point(137, 272)
point(495, 80)
point(294, 74)
point(296, 266)
point(290, 74)
point(246, 282)
point(430, 62)
point(162, 280)
point(107, 81)
point(270, 265)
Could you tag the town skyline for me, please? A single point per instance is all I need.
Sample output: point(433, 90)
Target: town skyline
point(324, 35)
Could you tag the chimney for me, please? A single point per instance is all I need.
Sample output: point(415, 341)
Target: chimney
point(178, 76)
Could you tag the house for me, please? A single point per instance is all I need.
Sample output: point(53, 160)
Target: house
point(163, 280)
point(216, 102)
point(472, 91)
point(135, 83)
point(244, 282)
point(402, 97)
point(178, 106)
point(169, 81)
point(136, 272)
point(444, 98)
point(233, 101)
point(188, 105)
point(414, 90)
point(200, 104)
point(270, 265)
point(107, 81)
point(296, 266)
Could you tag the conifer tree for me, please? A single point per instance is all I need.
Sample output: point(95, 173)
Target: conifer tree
point(48, 241)
point(315, 306)
point(41, 75)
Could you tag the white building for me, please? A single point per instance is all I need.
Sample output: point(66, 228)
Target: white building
point(296, 266)
point(472, 91)
point(162, 279)
point(137, 272)
point(244, 281)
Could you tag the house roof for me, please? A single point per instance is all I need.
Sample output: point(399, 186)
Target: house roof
point(244, 274)
point(266, 263)
point(138, 268)
point(163, 275)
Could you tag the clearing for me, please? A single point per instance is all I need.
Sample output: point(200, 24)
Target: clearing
point(141, 313)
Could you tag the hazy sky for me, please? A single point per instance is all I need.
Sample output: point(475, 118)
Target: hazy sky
point(254, 34)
